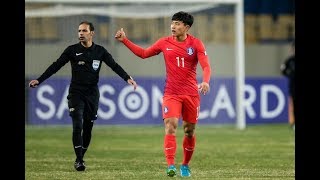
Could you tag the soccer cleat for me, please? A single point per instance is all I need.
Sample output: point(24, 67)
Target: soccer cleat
point(171, 171)
point(185, 171)
point(79, 165)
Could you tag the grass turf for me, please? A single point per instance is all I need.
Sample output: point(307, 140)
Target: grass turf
point(135, 152)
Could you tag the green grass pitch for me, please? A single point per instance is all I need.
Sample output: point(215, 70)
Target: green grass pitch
point(135, 152)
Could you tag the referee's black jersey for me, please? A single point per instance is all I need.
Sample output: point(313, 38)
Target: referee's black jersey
point(85, 64)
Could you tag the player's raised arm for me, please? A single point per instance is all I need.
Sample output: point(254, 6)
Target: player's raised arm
point(137, 50)
point(120, 35)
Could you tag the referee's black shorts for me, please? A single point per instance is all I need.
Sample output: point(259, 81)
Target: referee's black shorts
point(84, 100)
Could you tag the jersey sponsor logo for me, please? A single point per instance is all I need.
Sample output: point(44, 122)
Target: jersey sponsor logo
point(190, 50)
point(165, 109)
point(95, 64)
point(169, 49)
point(169, 148)
point(78, 54)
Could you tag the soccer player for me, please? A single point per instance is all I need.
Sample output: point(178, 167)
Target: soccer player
point(288, 70)
point(181, 52)
point(86, 59)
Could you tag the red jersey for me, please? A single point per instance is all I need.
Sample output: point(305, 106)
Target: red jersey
point(181, 59)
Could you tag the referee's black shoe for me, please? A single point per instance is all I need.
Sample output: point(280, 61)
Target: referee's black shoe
point(79, 165)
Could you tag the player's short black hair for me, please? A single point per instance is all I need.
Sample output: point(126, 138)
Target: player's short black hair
point(185, 17)
point(91, 27)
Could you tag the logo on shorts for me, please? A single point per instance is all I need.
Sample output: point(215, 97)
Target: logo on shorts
point(165, 110)
point(81, 63)
point(71, 109)
point(95, 64)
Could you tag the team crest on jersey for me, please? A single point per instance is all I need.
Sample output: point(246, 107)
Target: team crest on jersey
point(190, 50)
point(95, 64)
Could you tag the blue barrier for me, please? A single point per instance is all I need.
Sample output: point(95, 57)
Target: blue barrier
point(265, 102)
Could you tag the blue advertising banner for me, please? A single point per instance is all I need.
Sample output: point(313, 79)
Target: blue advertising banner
point(265, 102)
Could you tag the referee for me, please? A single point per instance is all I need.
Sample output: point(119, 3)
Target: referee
point(85, 58)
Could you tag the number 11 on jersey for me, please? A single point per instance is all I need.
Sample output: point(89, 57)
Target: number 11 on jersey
point(180, 61)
